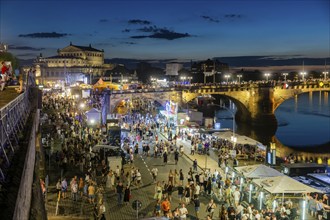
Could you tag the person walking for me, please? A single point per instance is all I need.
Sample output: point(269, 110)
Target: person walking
point(195, 165)
point(138, 178)
point(119, 191)
point(183, 212)
point(165, 158)
point(197, 205)
point(181, 177)
point(187, 193)
point(176, 156)
point(64, 188)
point(166, 206)
point(91, 193)
point(127, 194)
point(154, 172)
point(210, 208)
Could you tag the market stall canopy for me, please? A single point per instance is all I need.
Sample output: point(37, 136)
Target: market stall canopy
point(284, 184)
point(258, 171)
point(241, 139)
point(101, 84)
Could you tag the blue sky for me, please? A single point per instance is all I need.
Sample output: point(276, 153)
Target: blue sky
point(159, 29)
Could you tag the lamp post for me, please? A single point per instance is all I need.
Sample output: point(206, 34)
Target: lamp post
point(267, 75)
point(90, 75)
point(183, 78)
point(189, 78)
point(285, 75)
point(227, 77)
point(239, 78)
point(325, 73)
point(303, 75)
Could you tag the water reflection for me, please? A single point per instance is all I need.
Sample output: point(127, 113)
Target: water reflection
point(303, 123)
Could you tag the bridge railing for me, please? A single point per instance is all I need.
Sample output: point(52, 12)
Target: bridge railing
point(12, 120)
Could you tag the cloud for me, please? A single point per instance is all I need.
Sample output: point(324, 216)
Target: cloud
point(232, 16)
point(13, 47)
point(126, 30)
point(45, 35)
point(103, 20)
point(150, 29)
point(138, 21)
point(128, 43)
point(164, 34)
point(210, 19)
point(160, 33)
point(26, 55)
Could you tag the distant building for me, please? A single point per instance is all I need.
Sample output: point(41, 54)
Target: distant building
point(208, 70)
point(120, 74)
point(72, 63)
point(172, 69)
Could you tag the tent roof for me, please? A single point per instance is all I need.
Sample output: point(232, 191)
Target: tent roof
point(258, 171)
point(283, 184)
point(99, 82)
point(240, 138)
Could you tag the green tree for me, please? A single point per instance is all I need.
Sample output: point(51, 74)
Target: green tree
point(5, 56)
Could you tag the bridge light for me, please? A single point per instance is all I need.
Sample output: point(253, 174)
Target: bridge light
point(239, 78)
point(227, 77)
point(325, 74)
point(267, 75)
point(303, 75)
point(285, 75)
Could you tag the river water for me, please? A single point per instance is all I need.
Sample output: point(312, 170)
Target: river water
point(303, 122)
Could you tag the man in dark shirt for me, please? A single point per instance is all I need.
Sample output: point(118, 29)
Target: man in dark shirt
point(197, 204)
point(180, 191)
point(119, 191)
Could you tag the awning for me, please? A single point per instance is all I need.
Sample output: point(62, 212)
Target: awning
point(283, 184)
point(258, 171)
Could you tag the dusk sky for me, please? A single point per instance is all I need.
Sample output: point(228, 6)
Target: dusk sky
point(159, 29)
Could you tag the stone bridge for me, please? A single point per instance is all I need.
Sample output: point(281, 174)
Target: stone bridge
point(256, 103)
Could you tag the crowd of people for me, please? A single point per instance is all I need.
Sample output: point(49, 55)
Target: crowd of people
point(225, 195)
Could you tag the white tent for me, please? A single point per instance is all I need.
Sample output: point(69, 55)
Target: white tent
point(240, 139)
point(93, 116)
point(283, 184)
point(258, 171)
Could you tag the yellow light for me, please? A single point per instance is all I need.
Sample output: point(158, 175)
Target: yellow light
point(319, 160)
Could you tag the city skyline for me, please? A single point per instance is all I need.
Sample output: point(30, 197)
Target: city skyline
point(182, 30)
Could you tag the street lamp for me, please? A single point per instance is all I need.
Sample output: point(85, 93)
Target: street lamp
point(239, 78)
point(267, 75)
point(285, 75)
point(303, 75)
point(227, 77)
point(189, 78)
point(325, 74)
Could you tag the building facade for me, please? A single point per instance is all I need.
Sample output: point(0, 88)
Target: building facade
point(72, 63)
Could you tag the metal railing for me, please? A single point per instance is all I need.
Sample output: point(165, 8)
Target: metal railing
point(12, 120)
